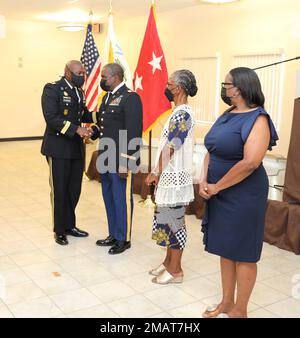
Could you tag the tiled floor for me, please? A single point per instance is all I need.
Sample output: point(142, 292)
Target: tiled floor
point(39, 278)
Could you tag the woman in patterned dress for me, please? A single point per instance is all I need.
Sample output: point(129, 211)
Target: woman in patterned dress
point(172, 177)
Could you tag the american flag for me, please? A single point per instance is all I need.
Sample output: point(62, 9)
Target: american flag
point(90, 58)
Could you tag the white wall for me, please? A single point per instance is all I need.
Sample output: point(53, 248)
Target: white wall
point(251, 25)
point(31, 55)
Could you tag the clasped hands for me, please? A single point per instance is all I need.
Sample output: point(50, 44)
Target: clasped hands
point(207, 190)
point(85, 132)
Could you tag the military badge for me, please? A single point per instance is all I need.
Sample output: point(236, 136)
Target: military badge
point(66, 99)
point(66, 112)
point(116, 102)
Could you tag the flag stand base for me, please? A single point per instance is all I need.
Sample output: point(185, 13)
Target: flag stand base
point(147, 203)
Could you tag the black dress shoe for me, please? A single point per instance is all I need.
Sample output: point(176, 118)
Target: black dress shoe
point(77, 232)
point(108, 241)
point(61, 239)
point(119, 247)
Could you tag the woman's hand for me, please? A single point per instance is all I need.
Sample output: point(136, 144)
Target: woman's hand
point(207, 190)
point(152, 179)
point(212, 189)
point(203, 190)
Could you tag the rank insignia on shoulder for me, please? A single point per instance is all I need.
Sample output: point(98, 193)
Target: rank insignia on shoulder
point(66, 112)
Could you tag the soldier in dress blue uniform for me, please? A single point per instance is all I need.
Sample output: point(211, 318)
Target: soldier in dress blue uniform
point(64, 109)
point(120, 122)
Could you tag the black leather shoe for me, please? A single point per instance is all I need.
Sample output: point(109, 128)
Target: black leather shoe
point(61, 239)
point(119, 247)
point(77, 232)
point(108, 241)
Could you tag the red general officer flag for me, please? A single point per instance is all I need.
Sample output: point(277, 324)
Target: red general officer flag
point(151, 76)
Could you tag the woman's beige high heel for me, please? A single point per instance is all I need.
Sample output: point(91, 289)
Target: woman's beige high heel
point(166, 278)
point(157, 271)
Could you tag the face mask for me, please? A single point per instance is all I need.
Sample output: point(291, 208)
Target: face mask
point(169, 94)
point(77, 80)
point(225, 98)
point(104, 86)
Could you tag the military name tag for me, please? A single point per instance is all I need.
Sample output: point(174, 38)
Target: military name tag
point(67, 99)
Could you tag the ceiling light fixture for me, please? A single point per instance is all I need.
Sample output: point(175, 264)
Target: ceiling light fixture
point(219, 2)
point(72, 27)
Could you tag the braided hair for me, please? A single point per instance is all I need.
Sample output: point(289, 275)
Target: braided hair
point(186, 80)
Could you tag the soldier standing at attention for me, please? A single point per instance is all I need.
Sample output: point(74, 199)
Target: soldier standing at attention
point(64, 109)
point(120, 123)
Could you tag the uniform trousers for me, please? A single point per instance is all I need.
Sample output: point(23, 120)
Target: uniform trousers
point(118, 199)
point(65, 183)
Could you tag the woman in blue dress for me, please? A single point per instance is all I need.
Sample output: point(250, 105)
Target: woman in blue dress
point(235, 186)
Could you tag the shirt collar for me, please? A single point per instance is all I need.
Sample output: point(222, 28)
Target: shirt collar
point(118, 87)
point(68, 83)
point(72, 87)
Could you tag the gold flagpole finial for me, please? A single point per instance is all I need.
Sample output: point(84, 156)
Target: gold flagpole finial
point(154, 8)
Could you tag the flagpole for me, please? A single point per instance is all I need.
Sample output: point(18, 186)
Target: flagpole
point(148, 201)
point(84, 141)
point(149, 152)
point(150, 139)
point(150, 147)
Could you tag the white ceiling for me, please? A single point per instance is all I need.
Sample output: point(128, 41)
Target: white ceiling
point(32, 9)
point(122, 9)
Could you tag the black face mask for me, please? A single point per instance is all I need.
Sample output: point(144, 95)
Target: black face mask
point(169, 94)
point(226, 99)
point(77, 80)
point(104, 86)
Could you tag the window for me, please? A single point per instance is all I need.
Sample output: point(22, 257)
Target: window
point(271, 79)
point(207, 72)
point(2, 27)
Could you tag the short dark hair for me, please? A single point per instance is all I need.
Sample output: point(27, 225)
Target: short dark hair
point(116, 69)
point(247, 81)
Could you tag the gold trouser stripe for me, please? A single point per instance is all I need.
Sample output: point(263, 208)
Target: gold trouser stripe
point(128, 204)
point(52, 188)
point(66, 127)
point(94, 116)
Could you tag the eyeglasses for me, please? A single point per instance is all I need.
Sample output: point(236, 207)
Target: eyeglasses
point(224, 84)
